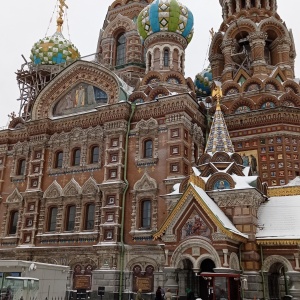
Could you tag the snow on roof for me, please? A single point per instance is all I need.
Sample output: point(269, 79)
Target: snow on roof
point(217, 211)
point(246, 171)
point(196, 171)
point(175, 191)
point(244, 182)
point(294, 182)
point(278, 218)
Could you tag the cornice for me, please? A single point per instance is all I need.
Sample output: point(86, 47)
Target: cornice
point(288, 242)
point(165, 37)
point(284, 191)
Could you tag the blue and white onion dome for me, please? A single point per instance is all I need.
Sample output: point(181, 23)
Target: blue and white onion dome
point(166, 16)
point(53, 50)
point(203, 82)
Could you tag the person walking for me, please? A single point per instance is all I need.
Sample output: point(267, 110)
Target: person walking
point(139, 295)
point(158, 294)
point(168, 295)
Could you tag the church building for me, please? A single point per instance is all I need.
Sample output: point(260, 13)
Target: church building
point(135, 177)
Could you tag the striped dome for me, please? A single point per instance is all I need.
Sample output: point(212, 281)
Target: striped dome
point(53, 50)
point(166, 16)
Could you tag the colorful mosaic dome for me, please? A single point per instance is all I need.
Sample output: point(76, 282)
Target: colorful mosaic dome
point(53, 50)
point(203, 83)
point(166, 15)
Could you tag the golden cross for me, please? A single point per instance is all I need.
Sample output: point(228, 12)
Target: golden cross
point(60, 21)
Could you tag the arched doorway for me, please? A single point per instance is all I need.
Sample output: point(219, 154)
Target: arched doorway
point(276, 281)
point(205, 283)
point(190, 278)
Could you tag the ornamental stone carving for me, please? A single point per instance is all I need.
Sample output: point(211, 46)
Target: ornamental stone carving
point(90, 187)
point(14, 197)
point(72, 188)
point(54, 190)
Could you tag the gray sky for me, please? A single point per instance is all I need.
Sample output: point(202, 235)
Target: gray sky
point(22, 23)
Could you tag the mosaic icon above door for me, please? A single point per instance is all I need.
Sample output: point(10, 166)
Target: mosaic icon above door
point(81, 98)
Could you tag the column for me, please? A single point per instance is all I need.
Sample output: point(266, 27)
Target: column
point(225, 252)
point(284, 49)
point(147, 61)
point(294, 284)
point(230, 8)
point(181, 282)
point(238, 6)
point(296, 255)
point(161, 58)
point(171, 59)
point(228, 65)
point(152, 60)
point(258, 3)
point(183, 63)
point(217, 64)
point(257, 42)
point(179, 61)
point(255, 285)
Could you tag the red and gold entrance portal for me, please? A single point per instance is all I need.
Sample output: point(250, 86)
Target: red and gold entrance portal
point(220, 286)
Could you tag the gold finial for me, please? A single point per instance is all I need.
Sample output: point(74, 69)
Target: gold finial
point(217, 92)
point(60, 21)
point(212, 32)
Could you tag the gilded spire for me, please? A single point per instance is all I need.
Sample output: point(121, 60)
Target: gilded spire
point(217, 93)
point(60, 21)
point(218, 139)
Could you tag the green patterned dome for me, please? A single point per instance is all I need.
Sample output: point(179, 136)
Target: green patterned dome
point(53, 50)
point(166, 16)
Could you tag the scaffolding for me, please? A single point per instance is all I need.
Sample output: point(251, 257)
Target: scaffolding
point(33, 78)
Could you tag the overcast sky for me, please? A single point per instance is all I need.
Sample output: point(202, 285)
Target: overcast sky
point(22, 23)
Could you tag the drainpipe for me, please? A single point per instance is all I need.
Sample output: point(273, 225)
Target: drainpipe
point(123, 203)
point(241, 266)
point(262, 272)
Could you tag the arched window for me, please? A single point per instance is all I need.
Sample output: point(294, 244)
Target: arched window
point(59, 159)
point(70, 224)
point(76, 157)
point(166, 57)
point(149, 60)
point(121, 50)
point(148, 149)
point(146, 214)
point(13, 223)
point(94, 154)
point(89, 217)
point(52, 219)
point(21, 167)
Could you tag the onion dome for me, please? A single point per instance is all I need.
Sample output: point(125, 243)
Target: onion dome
point(203, 82)
point(166, 16)
point(54, 49)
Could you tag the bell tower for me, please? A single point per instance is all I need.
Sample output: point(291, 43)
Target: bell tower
point(254, 38)
point(253, 55)
point(233, 7)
